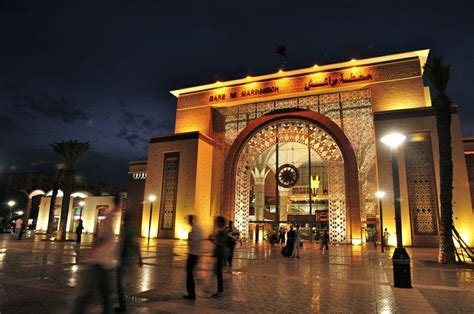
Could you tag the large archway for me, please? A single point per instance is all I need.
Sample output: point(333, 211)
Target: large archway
point(312, 129)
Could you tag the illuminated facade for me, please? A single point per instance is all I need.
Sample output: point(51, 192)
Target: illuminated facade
point(304, 146)
point(92, 210)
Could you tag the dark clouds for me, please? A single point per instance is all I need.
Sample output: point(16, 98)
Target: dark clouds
point(6, 122)
point(66, 109)
point(137, 129)
point(101, 71)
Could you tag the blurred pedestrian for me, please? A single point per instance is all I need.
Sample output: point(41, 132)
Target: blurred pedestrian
point(220, 240)
point(374, 235)
point(287, 250)
point(128, 247)
point(19, 228)
point(79, 229)
point(101, 260)
point(281, 236)
point(386, 236)
point(194, 251)
point(325, 240)
point(233, 235)
point(296, 250)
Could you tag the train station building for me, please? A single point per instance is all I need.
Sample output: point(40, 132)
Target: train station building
point(304, 146)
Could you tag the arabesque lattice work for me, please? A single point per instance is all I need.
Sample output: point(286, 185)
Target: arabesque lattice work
point(351, 111)
point(293, 132)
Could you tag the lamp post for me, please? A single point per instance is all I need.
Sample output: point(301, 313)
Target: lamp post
point(10, 204)
point(151, 198)
point(81, 203)
point(400, 258)
point(380, 195)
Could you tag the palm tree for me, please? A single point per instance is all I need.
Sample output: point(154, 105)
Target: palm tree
point(52, 204)
point(72, 152)
point(438, 75)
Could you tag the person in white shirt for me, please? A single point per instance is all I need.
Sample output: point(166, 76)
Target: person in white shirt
point(386, 236)
point(194, 245)
point(19, 228)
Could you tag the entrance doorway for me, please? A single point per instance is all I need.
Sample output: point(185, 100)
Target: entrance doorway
point(294, 167)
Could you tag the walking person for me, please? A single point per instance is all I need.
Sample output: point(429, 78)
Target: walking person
point(296, 251)
point(386, 236)
point(287, 250)
point(325, 240)
point(281, 236)
point(79, 229)
point(128, 248)
point(194, 246)
point(102, 259)
point(233, 236)
point(374, 235)
point(219, 238)
point(19, 228)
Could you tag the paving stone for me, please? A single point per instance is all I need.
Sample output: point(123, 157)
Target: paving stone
point(38, 276)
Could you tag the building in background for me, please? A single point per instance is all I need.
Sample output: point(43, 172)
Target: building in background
point(91, 209)
point(27, 190)
point(304, 146)
point(135, 192)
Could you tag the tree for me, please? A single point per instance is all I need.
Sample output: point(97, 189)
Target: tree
point(438, 75)
point(72, 152)
point(52, 204)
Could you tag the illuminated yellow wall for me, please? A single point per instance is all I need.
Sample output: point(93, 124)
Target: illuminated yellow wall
point(194, 185)
point(463, 215)
point(462, 212)
point(197, 119)
point(396, 95)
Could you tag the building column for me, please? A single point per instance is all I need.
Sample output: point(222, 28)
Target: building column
point(27, 211)
point(284, 192)
point(259, 189)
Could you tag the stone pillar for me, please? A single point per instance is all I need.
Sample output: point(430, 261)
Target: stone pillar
point(284, 192)
point(27, 212)
point(259, 189)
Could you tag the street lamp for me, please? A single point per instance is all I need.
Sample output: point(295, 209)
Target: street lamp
point(380, 195)
point(11, 203)
point(151, 198)
point(81, 203)
point(400, 258)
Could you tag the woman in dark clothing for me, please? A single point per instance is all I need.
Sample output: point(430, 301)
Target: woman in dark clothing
point(281, 236)
point(79, 229)
point(290, 243)
point(325, 240)
point(220, 239)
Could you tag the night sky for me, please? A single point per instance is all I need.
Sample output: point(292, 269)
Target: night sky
point(102, 70)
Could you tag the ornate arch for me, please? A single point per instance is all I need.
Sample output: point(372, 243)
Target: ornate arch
point(323, 136)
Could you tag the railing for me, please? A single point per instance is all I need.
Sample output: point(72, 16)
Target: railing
point(463, 250)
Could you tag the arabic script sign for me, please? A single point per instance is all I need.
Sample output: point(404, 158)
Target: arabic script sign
point(286, 86)
point(331, 81)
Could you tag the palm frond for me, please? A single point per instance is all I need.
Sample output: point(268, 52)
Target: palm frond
point(438, 74)
point(72, 151)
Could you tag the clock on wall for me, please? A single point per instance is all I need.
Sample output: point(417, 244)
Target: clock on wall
point(287, 175)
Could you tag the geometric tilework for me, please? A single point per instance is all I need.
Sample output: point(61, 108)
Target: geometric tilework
point(421, 186)
point(169, 190)
point(351, 111)
point(293, 132)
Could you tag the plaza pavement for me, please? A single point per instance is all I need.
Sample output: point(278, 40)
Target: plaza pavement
point(38, 276)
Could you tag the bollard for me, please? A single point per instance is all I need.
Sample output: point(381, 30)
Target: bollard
point(401, 268)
